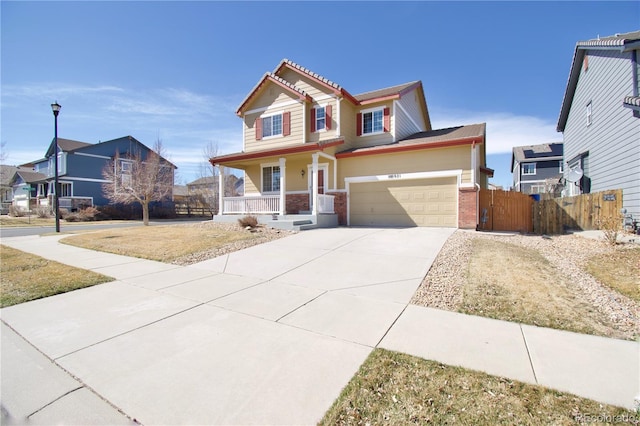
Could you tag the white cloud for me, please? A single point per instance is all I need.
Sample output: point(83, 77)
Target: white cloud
point(504, 130)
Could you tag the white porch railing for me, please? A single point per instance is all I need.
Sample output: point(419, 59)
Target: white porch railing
point(266, 204)
point(325, 203)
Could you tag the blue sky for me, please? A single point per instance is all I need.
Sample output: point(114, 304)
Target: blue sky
point(177, 71)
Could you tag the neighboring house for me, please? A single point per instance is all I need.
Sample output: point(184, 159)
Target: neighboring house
point(537, 169)
point(7, 190)
point(309, 146)
point(600, 119)
point(80, 167)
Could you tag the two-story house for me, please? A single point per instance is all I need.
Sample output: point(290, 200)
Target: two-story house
point(80, 167)
point(600, 119)
point(310, 146)
point(537, 169)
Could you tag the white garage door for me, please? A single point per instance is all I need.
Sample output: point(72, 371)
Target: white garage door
point(416, 202)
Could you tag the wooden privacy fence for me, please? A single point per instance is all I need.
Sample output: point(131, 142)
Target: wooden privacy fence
point(556, 216)
point(505, 211)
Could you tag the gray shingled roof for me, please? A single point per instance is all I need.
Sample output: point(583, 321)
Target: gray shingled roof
point(432, 137)
point(614, 40)
point(546, 151)
point(31, 176)
point(381, 93)
point(619, 42)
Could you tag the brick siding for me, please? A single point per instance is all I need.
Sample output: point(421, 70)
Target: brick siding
point(467, 208)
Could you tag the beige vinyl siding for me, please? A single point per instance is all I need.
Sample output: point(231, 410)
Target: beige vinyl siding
point(347, 123)
point(293, 168)
point(251, 144)
point(307, 84)
point(378, 138)
point(440, 159)
point(411, 110)
point(322, 135)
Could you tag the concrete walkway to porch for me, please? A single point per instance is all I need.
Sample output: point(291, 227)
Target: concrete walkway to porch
point(266, 335)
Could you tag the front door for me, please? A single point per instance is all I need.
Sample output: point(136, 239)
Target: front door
point(322, 181)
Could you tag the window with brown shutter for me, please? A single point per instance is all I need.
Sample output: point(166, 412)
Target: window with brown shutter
point(313, 120)
point(286, 123)
point(327, 117)
point(258, 127)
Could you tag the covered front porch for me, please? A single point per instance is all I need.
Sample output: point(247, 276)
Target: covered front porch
point(295, 188)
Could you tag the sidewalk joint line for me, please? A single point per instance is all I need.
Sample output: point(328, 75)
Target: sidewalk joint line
point(304, 304)
point(55, 400)
point(533, 370)
point(391, 326)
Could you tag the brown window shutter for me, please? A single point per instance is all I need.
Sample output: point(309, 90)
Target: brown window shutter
point(258, 127)
point(387, 120)
point(286, 123)
point(359, 124)
point(327, 117)
point(313, 120)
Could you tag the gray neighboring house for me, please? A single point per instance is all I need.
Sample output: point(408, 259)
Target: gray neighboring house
point(537, 169)
point(600, 119)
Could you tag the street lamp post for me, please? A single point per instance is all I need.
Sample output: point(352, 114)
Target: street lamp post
point(56, 110)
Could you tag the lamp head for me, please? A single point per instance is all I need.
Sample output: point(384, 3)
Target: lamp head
point(55, 107)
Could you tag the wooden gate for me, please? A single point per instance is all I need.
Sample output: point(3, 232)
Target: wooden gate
point(505, 211)
point(580, 212)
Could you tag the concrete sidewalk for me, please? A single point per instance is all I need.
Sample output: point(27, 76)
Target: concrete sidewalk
point(269, 334)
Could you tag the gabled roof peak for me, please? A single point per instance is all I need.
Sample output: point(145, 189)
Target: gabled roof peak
point(307, 71)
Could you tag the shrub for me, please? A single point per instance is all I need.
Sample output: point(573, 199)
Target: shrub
point(250, 221)
point(16, 211)
point(72, 217)
point(43, 212)
point(64, 213)
point(611, 226)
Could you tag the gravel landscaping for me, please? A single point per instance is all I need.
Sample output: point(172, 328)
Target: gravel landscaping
point(264, 234)
point(442, 288)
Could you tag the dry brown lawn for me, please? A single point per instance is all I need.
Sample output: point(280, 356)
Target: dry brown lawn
point(28, 277)
point(162, 243)
point(514, 283)
point(397, 389)
point(619, 270)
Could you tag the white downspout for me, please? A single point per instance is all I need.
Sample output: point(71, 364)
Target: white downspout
point(304, 122)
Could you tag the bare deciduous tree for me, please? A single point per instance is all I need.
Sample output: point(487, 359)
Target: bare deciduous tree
point(206, 193)
point(139, 178)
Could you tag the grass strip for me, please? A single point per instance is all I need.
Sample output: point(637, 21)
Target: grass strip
point(396, 389)
point(26, 277)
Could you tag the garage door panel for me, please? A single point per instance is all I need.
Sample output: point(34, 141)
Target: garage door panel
point(421, 202)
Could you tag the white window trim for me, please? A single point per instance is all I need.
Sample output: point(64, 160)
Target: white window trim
point(70, 186)
point(524, 173)
point(371, 110)
point(273, 114)
point(561, 167)
point(324, 106)
point(262, 167)
point(589, 113)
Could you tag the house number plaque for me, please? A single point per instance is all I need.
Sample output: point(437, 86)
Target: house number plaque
point(395, 176)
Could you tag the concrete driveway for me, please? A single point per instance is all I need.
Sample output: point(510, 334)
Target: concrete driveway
point(266, 335)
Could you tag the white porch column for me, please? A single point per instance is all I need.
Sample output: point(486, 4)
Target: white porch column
point(314, 183)
point(220, 189)
point(283, 187)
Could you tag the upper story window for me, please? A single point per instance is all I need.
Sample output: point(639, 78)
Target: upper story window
point(126, 170)
point(373, 121)
point(321, 118)
point(273, 125)
point(529, 169)
point(589, 114)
